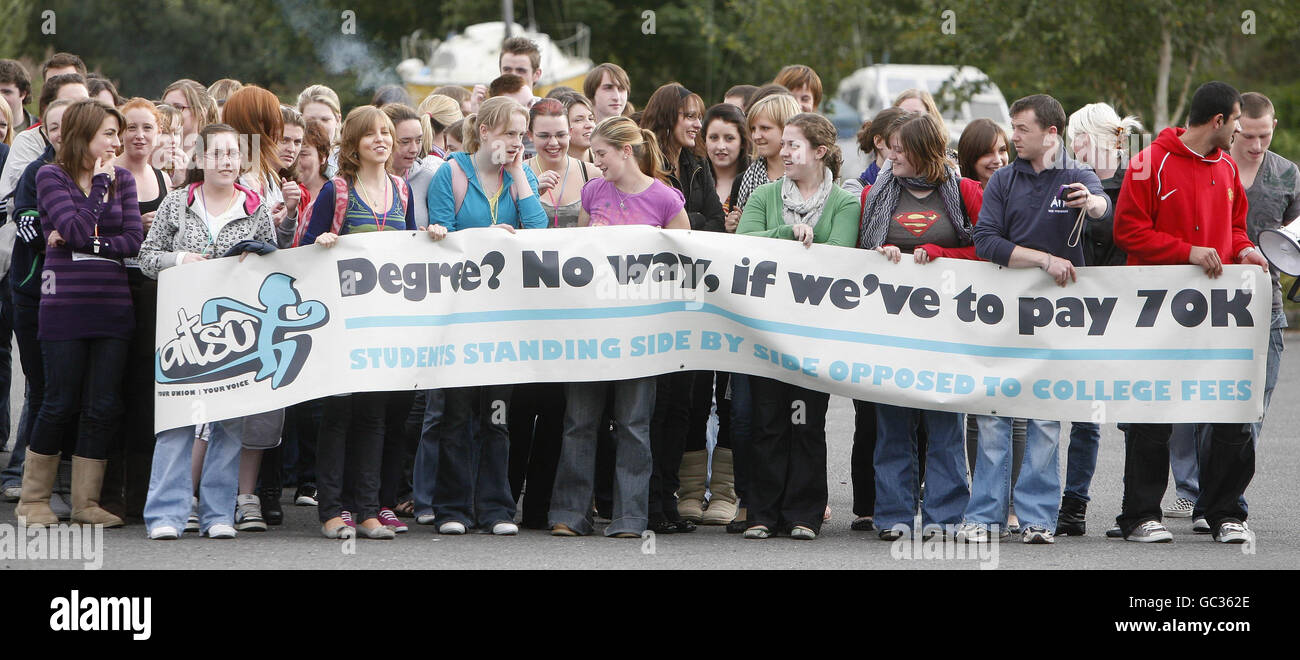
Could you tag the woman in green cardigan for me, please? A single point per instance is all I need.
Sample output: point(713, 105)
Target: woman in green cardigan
point(788, 486)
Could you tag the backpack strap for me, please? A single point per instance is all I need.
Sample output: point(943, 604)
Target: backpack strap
point(399, 184)
point(340, 203)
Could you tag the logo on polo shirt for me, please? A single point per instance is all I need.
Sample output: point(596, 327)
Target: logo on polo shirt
point(229, 338)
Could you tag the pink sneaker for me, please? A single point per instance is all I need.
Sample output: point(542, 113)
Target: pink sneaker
point(347, 519)
point(390, 519)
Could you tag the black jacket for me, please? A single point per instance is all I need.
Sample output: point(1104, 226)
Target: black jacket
point(1099, 247)
point(695, 179)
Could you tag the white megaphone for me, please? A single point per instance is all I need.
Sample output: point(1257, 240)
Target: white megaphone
point(1281, 247)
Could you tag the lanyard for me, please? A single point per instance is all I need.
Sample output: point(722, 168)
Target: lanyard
point(380, 222)
point(495, 199)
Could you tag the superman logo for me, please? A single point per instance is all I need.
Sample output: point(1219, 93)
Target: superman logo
point(917, 222)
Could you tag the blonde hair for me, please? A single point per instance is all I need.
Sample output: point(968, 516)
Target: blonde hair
point(356, 126)
point(1103, 126)
point(169, 118)
point(492, 113)
point(930, 107)
point(324, 96)
point(8, 136)
point(622, 131)
point(437, 109)
point(222, 89)
point(777, 108)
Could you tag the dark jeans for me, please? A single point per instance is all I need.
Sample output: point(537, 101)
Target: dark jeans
point(862, 461)
point(668, 428)
point(473, 482)
point(83, 388)
point(606, 444)
point(348, 453)
point(424, 471)
point(536, 433)
point(742, 424)
point(29, 355)
point(399, 443)
point(709, 386)
point(788, 483)
point(1227, 471)
point(131, 461)
point(302, 423)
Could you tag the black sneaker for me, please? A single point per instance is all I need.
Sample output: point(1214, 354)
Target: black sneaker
point(737, 526)
point(1070, 522)
point(1115, 533)
point(272, 512)
point(305, 495)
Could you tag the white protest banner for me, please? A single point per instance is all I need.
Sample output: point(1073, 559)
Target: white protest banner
point(397, 311)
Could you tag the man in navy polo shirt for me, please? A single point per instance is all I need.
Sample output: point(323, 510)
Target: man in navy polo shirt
point(1029, 221)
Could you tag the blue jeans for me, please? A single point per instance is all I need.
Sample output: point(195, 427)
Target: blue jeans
point(634, 402)
point(29, 355)
point(426, 454)
point(898, 468)
point(473, 482)
point(1081, 458)
point(1038, 489)
point(171, 485)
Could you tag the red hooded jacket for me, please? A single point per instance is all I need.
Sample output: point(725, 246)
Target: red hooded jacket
point(1173, 199)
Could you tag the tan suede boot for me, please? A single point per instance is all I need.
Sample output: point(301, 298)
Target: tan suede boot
point(692, 479)
point(722, 489)
point(38, 483)
point(87, 480)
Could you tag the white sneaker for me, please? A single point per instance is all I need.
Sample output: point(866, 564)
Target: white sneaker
point(164, 533)
point(1151, 531)
point(972, 533)
point(220, 531)
point(1200, 526)
point(13, 493)
point(451, 527)
point(248, 513)
point(1233, 532)
point(425, 519)
point(1037, 535)
point(504, 529)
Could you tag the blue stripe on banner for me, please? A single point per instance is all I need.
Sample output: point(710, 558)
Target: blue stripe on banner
point(932, 345)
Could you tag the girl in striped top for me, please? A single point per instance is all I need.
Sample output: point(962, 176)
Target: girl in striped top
point(91, 221)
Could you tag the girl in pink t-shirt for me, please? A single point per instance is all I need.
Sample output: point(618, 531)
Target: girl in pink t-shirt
point(633, 191)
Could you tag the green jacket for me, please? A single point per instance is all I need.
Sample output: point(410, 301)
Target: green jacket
point(838, 225)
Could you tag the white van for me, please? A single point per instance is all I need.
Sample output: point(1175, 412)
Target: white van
point(874, 88)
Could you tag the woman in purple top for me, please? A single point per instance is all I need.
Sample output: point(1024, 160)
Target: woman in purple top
point(633, 192)
point(91, 220)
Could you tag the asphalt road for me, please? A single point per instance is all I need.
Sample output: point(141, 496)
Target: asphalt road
point(298, 543)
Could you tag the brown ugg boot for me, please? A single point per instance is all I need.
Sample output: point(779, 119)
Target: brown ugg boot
point(87, 480)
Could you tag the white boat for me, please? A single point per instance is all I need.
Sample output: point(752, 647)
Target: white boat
point(471, 58)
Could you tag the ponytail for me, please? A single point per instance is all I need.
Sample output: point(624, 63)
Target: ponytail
point(469, 134)
point(649, 157)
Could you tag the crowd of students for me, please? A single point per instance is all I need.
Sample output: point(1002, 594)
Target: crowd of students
point(102, 193)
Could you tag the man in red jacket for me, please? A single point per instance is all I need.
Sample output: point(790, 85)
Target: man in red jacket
point(1182, 202)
